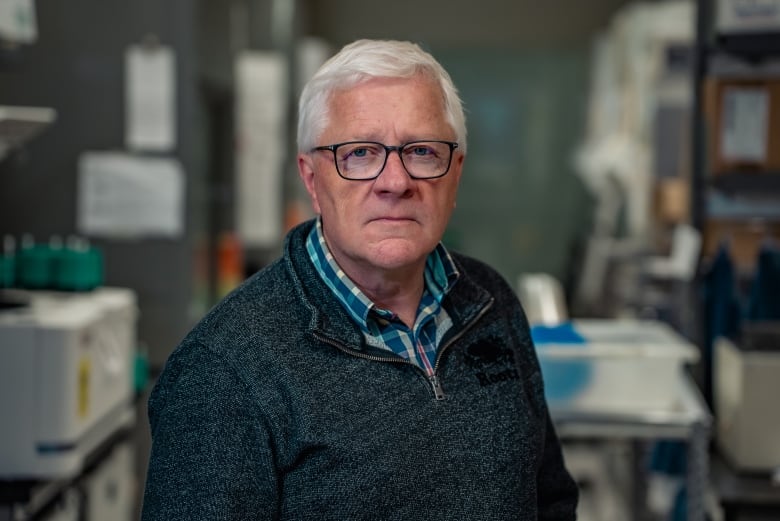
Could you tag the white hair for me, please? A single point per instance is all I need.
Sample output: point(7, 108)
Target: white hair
point(361, 61)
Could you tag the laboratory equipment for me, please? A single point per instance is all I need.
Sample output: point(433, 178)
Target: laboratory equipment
point(613, 365)
point(66, 362)
point(747, 384)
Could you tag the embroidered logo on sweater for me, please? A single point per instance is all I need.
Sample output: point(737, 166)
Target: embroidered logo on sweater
point(491, 361)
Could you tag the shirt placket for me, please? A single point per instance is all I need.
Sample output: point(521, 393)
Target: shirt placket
point(422, 340)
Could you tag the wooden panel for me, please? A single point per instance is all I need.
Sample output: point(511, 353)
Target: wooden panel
point(743, 238)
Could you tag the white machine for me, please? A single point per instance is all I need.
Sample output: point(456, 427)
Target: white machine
point(746, 391)
point(66, 369)
point(617, 366)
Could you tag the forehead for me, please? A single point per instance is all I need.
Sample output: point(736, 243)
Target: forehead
point(379, 103)
point(420, 86)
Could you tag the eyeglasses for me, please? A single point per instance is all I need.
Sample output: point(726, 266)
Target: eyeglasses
point(365, 160)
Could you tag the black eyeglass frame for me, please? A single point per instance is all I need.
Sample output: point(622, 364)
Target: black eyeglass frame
point(397, 148)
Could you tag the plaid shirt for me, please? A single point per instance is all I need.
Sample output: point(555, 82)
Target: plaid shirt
point(381, 327)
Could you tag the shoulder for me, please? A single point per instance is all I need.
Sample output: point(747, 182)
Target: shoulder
point(479, 277)
point(266, 299)
point(255, 320)
point(484, 275)
point(237, 340)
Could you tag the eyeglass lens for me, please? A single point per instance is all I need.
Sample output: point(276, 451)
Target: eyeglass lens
point(422, 159)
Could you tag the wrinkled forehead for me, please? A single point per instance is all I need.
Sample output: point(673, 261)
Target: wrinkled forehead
point(427, 88)
point(420, 79)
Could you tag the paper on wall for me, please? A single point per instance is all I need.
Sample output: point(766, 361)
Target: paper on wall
point(261, 131)
point(744, 134)
point(18, 22)
point(150, 99)
point(121, 195)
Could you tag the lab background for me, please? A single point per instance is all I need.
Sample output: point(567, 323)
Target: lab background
point(622, 174)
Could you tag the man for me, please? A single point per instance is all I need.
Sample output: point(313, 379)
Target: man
point(369, 373)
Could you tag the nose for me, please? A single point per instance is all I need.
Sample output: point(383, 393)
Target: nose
point(394, 177)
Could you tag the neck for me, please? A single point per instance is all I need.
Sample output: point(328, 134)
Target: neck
point(398, 289)
point(397, 292)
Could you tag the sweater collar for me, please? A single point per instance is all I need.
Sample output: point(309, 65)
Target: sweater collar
point(330, 319)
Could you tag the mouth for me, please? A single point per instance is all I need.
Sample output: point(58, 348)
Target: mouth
point(392, 219)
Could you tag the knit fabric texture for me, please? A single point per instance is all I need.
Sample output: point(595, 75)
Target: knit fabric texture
point(275, 407)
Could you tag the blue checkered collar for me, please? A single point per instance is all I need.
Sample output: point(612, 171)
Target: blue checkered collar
point(440, 275)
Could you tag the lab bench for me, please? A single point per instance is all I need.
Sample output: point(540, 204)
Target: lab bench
point(631, 384)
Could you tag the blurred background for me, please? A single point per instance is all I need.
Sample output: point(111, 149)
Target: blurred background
point(623, 173)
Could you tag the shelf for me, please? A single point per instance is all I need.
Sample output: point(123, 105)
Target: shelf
point(752, 46)
point(739, 206)
point(744, 492)
point(725, 65)
point(20, 124)
point(748, 183)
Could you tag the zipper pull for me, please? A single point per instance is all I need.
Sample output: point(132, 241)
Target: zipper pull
point(437, 389)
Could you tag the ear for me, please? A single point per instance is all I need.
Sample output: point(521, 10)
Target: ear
point(456, 168)
point(306, 172)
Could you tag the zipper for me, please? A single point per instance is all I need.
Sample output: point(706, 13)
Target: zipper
point(433, 379)
point(462, 332)
point(438, 391)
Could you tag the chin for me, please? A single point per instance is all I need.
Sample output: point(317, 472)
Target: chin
point(399, 253)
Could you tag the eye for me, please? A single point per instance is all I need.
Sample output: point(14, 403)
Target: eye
point(359, 151)
point(420, 150)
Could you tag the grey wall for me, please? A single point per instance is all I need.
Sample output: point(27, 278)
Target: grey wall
point(464, 23)
point(76, 67)
point(520, 206)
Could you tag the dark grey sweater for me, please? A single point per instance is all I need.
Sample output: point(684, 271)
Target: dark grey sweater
point(274, 407)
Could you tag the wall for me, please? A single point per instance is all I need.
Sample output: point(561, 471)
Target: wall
point(520, 207)
point(76, 67)
point(463, 23)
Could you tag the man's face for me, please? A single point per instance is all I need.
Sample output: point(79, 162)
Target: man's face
point(394, 221)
